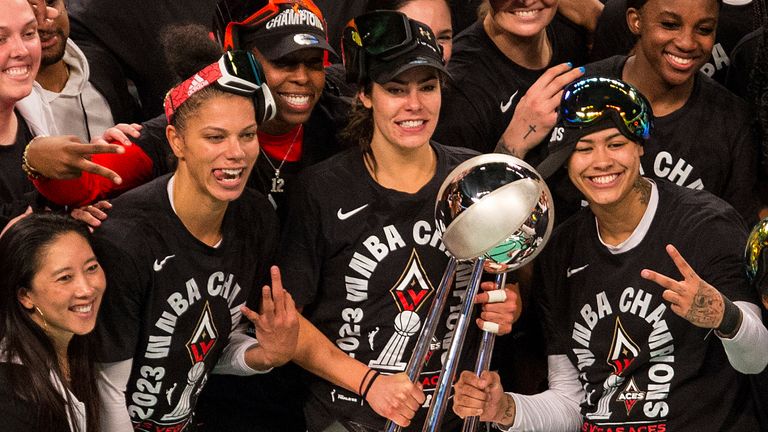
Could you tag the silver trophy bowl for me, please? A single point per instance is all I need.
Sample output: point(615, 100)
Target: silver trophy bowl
point(497, 207)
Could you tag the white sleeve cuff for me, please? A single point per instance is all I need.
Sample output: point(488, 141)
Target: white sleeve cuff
point(232, 360)
point(747, 350)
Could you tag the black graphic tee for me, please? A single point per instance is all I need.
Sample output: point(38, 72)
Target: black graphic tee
point(172, 300)
point(640, 364)
point(366, 262)
point(479, 101)
point(710, 143)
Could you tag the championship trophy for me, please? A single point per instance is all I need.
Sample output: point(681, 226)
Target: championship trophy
point(496, 211)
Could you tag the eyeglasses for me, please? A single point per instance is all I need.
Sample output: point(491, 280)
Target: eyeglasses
point(384, 35)
point(236, 72)
point(231, 15)
point(588, 100)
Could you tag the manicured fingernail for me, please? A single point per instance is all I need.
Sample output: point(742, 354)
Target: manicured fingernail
point(581, 69)
point(570, 64)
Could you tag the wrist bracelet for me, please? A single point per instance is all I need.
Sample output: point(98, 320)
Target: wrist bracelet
point(362, 382)
point(370, 384)
point(25, 166)
point(731, 322)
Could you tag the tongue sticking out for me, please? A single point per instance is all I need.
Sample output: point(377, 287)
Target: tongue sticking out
point(227, 175)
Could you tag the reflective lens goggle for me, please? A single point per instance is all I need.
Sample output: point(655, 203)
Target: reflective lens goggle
point(236, 72)
point(232, 15)
point(384, 35)
point(589, 100)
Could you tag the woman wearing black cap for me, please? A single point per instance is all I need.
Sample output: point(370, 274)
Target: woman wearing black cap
point(627, 317)
point(361, 240)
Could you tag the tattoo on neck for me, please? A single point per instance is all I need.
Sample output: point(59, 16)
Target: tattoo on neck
point(707, 307)
point(531, 129)
point(644, 187)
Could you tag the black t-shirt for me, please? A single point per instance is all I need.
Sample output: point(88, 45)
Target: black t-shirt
point(366, 261)
point(709, 143)
point(479, 102)
point(613, 37)
point(173, 301)
point(16, 191)
point(640, 363)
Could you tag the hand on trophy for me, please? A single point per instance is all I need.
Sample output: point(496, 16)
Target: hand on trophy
point(484, 397)
point(396, 398)
point(277, 326)
point(501, 308)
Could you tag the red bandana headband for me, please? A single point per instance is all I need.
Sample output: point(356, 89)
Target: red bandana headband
point(179, 94)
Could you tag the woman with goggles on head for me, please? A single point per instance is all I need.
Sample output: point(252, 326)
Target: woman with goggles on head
point(703, 137)
point(630, 289)
point(183, 254)
point(361, 239)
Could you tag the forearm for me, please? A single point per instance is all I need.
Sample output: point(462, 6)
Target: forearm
point(747, 350)
point(582, 12)
point(317, 354)
point(112, 379)
point(556, 409)
point(241, 355)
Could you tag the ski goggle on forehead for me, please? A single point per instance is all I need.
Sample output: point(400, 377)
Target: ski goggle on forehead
point(384, 35)
point(235, 72)
point(589, 100)
point(233, 15)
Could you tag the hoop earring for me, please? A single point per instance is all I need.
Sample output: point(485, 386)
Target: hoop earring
point(45, 323)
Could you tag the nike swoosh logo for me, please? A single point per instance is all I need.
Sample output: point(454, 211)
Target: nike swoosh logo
point(569, 272)
point(505, 106)
point(344, 216)
point(158, 265)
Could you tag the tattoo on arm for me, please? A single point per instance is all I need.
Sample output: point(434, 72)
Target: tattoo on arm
point(508, 415)
point(707, 307)
point(531, 129)
point(502, 148)
point(643, 186)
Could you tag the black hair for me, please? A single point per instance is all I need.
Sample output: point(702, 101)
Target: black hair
point(188, 49)
point(359, 129)
point(21, 251)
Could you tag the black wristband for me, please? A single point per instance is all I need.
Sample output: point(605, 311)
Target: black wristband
point(731, 322)
point(362, 382)
point(370, 384)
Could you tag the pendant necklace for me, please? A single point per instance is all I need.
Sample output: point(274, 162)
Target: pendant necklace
point(278, 183)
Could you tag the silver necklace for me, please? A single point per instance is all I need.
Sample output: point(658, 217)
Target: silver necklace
point(278, 183)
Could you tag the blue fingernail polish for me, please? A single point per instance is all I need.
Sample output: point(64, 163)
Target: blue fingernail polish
point(582, 69)
point(570, 64)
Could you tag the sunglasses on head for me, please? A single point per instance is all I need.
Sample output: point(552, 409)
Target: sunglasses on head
point(235, 72)
point(589, 100)
point(233, 15)
point(384, 35)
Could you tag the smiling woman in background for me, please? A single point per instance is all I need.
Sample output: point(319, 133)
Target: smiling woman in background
point(50, 294)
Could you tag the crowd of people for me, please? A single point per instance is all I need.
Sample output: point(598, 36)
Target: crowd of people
point(223, 218)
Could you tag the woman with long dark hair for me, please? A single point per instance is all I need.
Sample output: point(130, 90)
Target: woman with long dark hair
point(361, 241)
point(51, 291)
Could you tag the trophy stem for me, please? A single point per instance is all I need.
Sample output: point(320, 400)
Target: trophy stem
point(484, 358)
point(443, 389)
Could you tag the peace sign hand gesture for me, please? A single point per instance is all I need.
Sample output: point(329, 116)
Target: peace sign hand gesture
point(692, 298)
